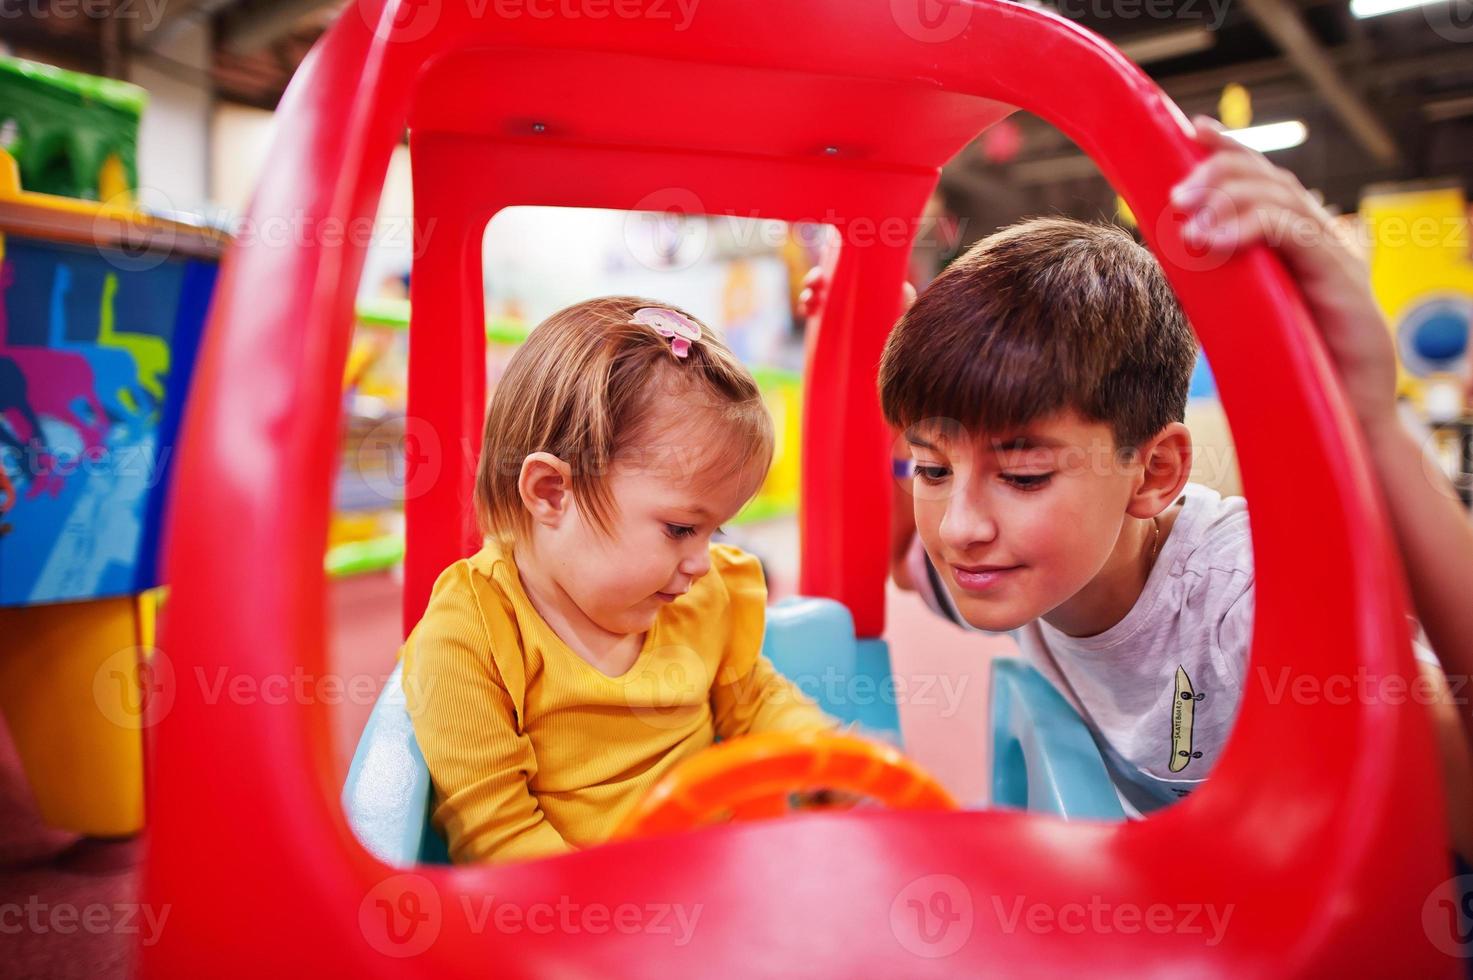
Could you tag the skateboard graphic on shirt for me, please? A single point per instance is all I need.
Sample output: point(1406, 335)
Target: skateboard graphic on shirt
point(1183, 709)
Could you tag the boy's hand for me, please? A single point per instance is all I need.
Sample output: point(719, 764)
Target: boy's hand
point(810, 300)
point(1237, 198)
point(815, 284)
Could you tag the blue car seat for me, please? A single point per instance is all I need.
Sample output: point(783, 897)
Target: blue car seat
point(1043, 757)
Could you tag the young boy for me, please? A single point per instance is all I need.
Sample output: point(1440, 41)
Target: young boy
point(1040, 383)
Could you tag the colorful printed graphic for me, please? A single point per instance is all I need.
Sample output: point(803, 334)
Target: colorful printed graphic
point(95, 358)
point(1183, 709)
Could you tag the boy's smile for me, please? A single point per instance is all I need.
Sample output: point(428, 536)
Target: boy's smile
point(982, 578)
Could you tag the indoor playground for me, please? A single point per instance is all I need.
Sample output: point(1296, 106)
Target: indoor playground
point(264, 263)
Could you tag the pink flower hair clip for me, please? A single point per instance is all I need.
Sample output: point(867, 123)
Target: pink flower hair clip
point(681, 329)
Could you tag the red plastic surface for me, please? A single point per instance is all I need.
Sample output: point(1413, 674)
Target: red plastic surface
point(1320, 835)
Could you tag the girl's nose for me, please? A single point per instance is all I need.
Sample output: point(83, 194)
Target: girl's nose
point(697, 563)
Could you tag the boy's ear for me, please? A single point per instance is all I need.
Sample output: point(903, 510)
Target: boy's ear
point(545, 486)
point(1166, 463)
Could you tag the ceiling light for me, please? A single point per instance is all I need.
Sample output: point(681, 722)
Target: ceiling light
point(1271, 136)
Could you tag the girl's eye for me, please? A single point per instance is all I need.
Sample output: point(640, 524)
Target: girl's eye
point(931, 474)
point(678, 531)
point(1028, 481)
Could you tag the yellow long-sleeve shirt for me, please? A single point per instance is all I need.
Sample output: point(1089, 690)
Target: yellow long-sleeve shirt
point(533, 751)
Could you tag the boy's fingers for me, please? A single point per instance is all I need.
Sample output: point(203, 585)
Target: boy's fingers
point(1237, 232)
point(1226, 194)
point(1207, 131)
point(1226, 151)
point(1261, 214)
point(1221, 167)
point(1253, 193)
point(1221, 213)
point(1211, 134)
point(1294, 226)
point(1214, 135)
point(811, 296)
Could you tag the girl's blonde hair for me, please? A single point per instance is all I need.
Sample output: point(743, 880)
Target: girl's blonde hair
point(589, 386)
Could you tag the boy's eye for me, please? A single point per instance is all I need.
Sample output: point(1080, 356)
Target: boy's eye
point(1027, 481)
point(931, 474)
point(678, 531)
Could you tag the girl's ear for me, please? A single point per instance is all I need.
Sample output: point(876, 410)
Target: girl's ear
point(545, 486)
point(1166, 463)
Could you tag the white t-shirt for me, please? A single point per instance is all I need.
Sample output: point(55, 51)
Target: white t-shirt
point(1160, 689)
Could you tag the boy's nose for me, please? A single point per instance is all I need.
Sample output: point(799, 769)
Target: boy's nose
point(965, 524)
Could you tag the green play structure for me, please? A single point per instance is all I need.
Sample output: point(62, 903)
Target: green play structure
point(72, 134)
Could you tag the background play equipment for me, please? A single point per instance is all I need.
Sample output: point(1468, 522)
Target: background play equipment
point(71, 695)
point(101, 309)
point(1422, 274)
point(1326, 853)
point(380, 449)
point(754, 777)
point(388, 793)
point(73, 135)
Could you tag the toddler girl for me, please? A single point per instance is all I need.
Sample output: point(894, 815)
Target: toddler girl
point(599, 637)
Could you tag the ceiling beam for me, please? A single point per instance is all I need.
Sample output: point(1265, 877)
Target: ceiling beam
point(248, 31)
point(1276, 85)
point(1441, 110)
point(177, 15)
point(1163, 45)
point(1283, 24)
point(78, 51)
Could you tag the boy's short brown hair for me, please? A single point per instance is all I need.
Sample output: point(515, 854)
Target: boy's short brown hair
point(1043, 316)
point(596, 389)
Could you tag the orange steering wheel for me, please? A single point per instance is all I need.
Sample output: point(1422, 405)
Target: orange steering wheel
point(754, 776)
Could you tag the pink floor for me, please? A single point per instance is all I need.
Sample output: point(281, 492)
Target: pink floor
point(941, 674)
